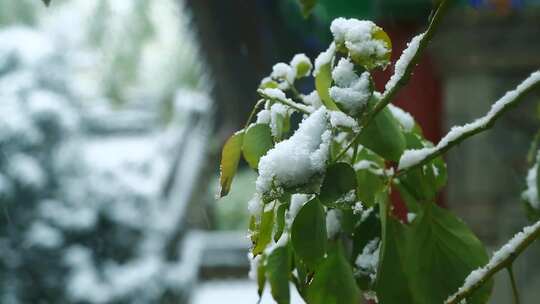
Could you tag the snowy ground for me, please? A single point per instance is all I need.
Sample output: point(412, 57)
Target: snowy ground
point(235, 292)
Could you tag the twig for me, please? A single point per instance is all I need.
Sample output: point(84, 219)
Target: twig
point(402, 79)
point(252, 114)
point(414, 158)
point(299, 107)
point(515, 292)
point(500, 260)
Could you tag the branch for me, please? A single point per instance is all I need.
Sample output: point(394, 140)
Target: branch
point(417, 157)
point(286, 101)
point(403, 69)
point(501, 259)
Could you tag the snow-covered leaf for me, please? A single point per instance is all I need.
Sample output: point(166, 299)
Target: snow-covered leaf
point(280, 220)
point(230, 156)
point(257, 141)
point(308, 233)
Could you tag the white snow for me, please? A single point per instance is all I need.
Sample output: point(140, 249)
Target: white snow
point(340, 119)
point(404, 118)
point(255, 206)
point(274, 93)
point(236, 292)
point(313, 100)
point(333, 222)
point(403, 62)
point(25, 170)
point(357, 36)
point(368, 260)
point(358, 208)
point(44, 235)
point(531, 193)
point(298, 60)
point(283, 71)
point(352, 92)
point(413, 157)
point(324, 58)
point(263, 117)
point(293, 161)
point(498, 257)
point(277, 111)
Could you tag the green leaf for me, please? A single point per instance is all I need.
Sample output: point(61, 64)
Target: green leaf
point(384, 136)
point(230, 156)
point(280, 220)
point(307, 6)
point(441, 252)
point(392, 285)
point(257, 141)
point(308, 233)
point(278, 265)
point(339, 180)
point(423, 183)
point(261, 278)
point(323, 81)
point(265, 232)
point(334, 282)
point(369, 184)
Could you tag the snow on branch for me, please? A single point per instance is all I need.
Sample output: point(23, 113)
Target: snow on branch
point(501, 259)
point(417, 157)
point(278, 96)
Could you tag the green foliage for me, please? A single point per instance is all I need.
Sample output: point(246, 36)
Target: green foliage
point(439, 245)
point(257, 141)
point(334, 282)
point(308, 233)
point(324, 217)
point(323, 81)
point(230, 157)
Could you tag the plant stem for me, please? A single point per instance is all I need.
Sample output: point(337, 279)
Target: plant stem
point(514, 285)
point(289, 103)
point(252, 114)
point(390, 94)
point(493, 267)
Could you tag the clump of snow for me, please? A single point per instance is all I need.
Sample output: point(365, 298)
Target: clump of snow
point(43, 235)
point(254, 262)
point(358, 208)
point(313, 99)
point(500, 256)
point(531, 193)
point(278, 112)
point(411, 217)
point(340, 119)
point(255, 206)
point(405, 119)
point(368, 261)
point(26, 171)
point(351, 91)
point(299, 61)
point(333, 222)
point(324, 58)
point(274, 93)
point(411, 158)
point(357, 36)
point(283, 71)
point(282, 242)
point(404, 61)
point(263, 117)
point(294, 161)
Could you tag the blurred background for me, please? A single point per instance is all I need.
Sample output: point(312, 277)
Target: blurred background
point(113, 113)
